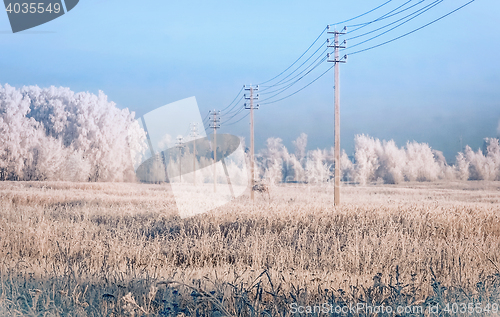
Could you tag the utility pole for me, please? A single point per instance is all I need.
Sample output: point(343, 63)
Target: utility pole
point(180, 146)
point(252, 148)
point(337, 60)
point(194, 134)
point(215, 124)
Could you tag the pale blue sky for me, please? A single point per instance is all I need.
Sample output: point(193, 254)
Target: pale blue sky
point(433, 86)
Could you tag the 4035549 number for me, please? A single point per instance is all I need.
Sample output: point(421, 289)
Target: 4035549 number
point(33, 8)
point(471, 308)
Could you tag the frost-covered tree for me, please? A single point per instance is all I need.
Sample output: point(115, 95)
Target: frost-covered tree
point(377, 161)
point(76, 169)
point(295, 170)
point(462, 167)
point(393, 163)
point(317, 168)
point(51, 160)
point(386, 161)
point(137, 143)
point(237, 166)
point(421, 164)
point(17, 134)
point(346, 167)
point(300, 147)
point(366, 157)
point(272, 160)
point(493, 154)
point(478, 169)
point(485, 164)
point(56, 134)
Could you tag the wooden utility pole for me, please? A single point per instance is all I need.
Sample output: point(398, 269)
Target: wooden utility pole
point(180, 145)
point(194, 134)
point(215, 124)
point(252, 148)
point(337, 60)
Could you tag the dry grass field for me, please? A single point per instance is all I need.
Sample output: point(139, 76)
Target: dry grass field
point(115, 249)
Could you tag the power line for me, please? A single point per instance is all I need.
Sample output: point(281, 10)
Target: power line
point(427, 8)
point(228, 124)
point(290, 85)
point(267, 103)
point(291, 79)
point(385, 16)
point(359, 16)
point(415, 30)
point(205, 123)
point(281, 83)
point(296, 59)
point(239, 111)
point(234, 99)
point(206, 116)
point(231, 110)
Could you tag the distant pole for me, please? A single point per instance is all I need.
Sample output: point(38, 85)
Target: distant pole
point(252, 147)
point(180, 145)
point(194, 134)
point(215, 126)
point(337, 60)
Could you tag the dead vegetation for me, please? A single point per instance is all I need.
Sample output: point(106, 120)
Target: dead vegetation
point(92, 249)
